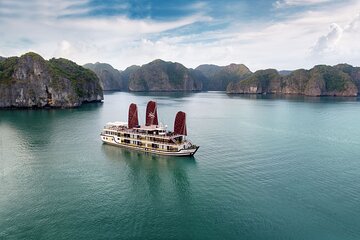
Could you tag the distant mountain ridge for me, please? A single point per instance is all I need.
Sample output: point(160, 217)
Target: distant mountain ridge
point(159, 75)
point(110, 78)
point(219, 77)
point(285, 72)
point(321, 80)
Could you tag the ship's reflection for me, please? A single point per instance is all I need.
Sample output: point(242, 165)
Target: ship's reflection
point(157, 171)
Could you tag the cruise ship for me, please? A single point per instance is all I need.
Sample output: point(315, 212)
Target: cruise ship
point(151, 137)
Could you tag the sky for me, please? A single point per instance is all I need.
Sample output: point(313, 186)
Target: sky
point(281, 34)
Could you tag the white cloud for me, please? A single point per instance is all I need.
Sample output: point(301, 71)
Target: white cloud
point(354, 25)
point(340, 43)
point(296, 3)
point(120, 41)
point(65, 49)
point(327, 43)
point(83, 39)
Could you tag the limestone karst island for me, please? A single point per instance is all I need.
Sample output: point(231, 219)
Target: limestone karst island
point(31, 81)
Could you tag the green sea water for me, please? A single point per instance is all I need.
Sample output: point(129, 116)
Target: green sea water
point(268, 168)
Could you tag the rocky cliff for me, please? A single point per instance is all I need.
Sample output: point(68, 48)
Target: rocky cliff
point(353, 72)
point(218, 78)
point(319, 81)
point(164, 76)
point(128, 72)
point(31, 81)
point(110, 78)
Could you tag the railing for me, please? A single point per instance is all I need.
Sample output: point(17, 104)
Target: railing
point(167, 135)
point(144, 137)
point(149, 147)
point(171, 144)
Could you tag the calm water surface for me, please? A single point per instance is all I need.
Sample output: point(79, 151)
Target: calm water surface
point(268, 168)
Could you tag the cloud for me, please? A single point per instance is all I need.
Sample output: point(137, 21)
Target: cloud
point(65, 49)
point(354, 25)
point(297, 3)
point(327, 43)
point(37, 9)
point(340, 42)
point(284, 43)
point(55, 35)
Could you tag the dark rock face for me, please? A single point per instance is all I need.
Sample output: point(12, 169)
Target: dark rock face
point(262, 81)
point(163, 76)
point(218, 78)
point(319, 81)
point(128, 72)
point(285, 72)
point(354, 72)
point(31, 81)
point(110, 78)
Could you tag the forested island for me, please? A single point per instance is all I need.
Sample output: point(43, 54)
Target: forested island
point(158, 75)
point(31, 81)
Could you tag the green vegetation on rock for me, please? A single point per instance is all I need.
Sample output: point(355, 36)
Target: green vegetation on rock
point(7, 68)
point(110, 78)
point(218, 78)
point(159, 75)
point(78, 75)
point(31, 81)
point(319, 81)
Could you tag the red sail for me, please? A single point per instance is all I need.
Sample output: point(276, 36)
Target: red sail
point(151, 114)
point(133, 120)
point(180, 124)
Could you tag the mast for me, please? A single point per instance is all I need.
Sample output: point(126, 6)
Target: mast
point(133, 120)
point(180, 124)
point(151, 114)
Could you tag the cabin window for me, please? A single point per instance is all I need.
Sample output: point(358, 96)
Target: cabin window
point(155, 145)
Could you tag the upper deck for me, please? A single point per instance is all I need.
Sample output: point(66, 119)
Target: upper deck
point(157, 133)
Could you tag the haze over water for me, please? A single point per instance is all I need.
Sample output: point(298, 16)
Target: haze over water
point(267, 168)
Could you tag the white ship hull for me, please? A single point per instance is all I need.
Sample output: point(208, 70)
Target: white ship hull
point(182, 152)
